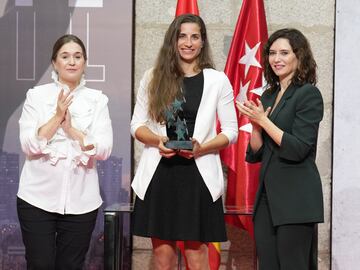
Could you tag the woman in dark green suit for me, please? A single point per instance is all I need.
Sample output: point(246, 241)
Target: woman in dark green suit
point(285, 122)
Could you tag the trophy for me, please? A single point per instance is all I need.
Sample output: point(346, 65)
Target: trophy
point(178, 133)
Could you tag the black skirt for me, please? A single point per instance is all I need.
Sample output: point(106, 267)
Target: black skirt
point(179, 206)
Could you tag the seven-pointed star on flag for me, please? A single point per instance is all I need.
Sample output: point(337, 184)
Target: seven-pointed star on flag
point(242, 96)
point(249, 58)
point(247, 128)
point(260, 90)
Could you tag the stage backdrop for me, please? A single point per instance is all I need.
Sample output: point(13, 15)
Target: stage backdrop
point(28, 29)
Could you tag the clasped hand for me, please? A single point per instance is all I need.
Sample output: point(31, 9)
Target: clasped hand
point(168, 153)
point(62, 109)
point(255, 112)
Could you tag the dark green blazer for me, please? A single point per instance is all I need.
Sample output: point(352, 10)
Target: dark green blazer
point(288, 172)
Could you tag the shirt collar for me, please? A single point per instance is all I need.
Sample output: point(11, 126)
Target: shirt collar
point(66, 88)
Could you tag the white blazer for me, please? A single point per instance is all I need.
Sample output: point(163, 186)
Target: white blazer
point(217, 99)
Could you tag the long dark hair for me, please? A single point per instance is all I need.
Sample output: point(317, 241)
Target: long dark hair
point(306, 70)
point(66, 39)
point(168, 75)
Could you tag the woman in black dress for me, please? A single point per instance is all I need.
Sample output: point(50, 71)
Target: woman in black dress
point(179, 191)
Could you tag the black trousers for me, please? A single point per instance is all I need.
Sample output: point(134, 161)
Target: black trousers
point(284, 247)
point(54, 241)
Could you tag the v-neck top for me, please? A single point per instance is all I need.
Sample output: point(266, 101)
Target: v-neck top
point(192, 93)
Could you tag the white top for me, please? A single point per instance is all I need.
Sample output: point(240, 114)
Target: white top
point(57, 175)
point(217, 99)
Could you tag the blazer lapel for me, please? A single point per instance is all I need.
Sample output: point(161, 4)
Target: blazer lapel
point(288, 94)
point(202, 105)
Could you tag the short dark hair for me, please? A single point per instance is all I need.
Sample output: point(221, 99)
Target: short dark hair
point(306, 71)
point(66, 39)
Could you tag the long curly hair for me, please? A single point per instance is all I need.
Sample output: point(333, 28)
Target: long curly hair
point(167, 76)
point(306, 70)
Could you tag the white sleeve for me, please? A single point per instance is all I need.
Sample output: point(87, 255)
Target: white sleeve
point(226, 111)
point(31, 144)
point(100, 134)
point(140, 116)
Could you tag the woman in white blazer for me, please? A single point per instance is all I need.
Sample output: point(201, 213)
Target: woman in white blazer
point(64, 128)
point(179, 191)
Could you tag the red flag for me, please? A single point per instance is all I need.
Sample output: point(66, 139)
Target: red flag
point(214, 253)
point(186, 6)
point(243, 68)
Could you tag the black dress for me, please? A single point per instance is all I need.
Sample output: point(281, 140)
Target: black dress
point(177, 203)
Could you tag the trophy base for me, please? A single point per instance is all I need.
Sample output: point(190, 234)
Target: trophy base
point(181, 145)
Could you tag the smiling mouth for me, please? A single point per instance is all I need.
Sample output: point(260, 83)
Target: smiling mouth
point(187, 50)
point(278, 66)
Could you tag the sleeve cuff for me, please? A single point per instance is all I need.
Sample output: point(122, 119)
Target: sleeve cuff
point(80, 156)
point(231, 135)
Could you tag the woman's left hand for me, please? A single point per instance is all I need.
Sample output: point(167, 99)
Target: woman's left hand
point(255, 112)
point(196, 151)
point(74, 133)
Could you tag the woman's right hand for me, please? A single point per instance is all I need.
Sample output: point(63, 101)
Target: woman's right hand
point(63, 103)
point(164, 151)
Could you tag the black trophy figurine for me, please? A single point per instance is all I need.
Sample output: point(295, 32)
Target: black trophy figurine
point(178, 135)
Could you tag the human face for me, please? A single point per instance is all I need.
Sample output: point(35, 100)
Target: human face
point(283, 60)
point(70, 64)
point(189, 42)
